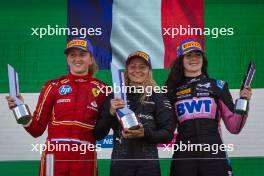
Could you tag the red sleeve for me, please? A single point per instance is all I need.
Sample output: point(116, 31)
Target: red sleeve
point(43, 112)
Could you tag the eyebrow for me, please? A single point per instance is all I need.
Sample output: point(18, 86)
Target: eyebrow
point(193, 53)
point(139, 64)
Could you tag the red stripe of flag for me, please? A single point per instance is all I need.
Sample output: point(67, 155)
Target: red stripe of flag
point(176, 13)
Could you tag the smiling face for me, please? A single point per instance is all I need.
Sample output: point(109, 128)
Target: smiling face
point(79, 61)
point(192, 63)
point(137, 71)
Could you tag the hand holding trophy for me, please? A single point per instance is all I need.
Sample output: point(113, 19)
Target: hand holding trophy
point(241, 105)
point(20, 110)
point(126, 116)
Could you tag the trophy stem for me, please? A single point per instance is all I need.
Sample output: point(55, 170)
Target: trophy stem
point(49, 165)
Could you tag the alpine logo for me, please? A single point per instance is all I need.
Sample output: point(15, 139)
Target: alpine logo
point(65, 89)
point(193, 80)
point(207, 85)
point(194, 106)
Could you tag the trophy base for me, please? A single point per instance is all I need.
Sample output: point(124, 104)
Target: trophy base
point(241, 106)
point(22, 114)
point(127, 118)
point(130, 121)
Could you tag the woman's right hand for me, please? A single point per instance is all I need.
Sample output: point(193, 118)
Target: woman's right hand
point(116, 104)
point(11, 101)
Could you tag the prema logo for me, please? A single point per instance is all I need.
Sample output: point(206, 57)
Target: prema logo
point(65, 89)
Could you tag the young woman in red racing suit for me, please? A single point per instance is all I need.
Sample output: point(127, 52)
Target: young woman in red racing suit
point(135, 151)
point(200, 103)
point(68, 106)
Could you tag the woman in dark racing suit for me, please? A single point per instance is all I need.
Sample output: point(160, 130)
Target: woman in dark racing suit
point(200, 103)
point(135, 151)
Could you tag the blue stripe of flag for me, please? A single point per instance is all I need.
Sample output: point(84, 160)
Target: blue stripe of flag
point(94, 14)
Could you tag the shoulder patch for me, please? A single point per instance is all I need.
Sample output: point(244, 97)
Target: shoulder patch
point(95, 83)
point(220, 83)
point(50, 83)
point(95, 92)
point(63, 81)
point(98, 84)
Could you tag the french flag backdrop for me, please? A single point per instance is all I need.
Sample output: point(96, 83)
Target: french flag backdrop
point(133, 25)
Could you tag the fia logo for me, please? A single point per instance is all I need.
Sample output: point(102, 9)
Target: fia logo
point(193, 106)
point(65, 89)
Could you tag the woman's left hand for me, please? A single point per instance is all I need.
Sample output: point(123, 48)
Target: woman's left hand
point(138, 133)
point(246, 93)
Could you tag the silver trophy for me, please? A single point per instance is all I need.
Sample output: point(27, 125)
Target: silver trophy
point(241, 105)
point(126, 116)
point(21, 111)
point(50, 164)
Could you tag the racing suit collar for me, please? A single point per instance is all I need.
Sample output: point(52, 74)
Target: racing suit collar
point(190, 80)
point(76, 78)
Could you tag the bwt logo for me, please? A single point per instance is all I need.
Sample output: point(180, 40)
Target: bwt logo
point(193, 106)
point(65, 89)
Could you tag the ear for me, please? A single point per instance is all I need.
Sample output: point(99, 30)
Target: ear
point(67, 60)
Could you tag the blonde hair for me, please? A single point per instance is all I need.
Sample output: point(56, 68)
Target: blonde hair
point(92, 69)
point(148, 82)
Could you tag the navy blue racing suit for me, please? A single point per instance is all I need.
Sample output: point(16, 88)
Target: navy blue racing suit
point(138, 156)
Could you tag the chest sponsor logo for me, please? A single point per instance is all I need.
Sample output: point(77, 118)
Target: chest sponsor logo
point(143, 116)
point(184, 96)
point(207, 85)
point(205, 94)
point(183, 92)
point(93, 105)
point(182, 87)
point(65, 89)
point(203, 90)
point(80, 80)
point(194, 106)
point(95, 92)
point(63, 101)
